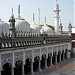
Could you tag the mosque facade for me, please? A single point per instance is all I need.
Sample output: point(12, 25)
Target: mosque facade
point(27, 49)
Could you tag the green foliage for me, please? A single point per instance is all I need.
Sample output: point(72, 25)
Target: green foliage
point(51, 26)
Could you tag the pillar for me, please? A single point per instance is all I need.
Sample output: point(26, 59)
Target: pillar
point(13, 64)
point(63, 56)
point(23, 63)
point(51, 60)
point(60, 58)
point(0, 72)
point(39, 61)
point(32, 67)
point(46, 59)
point(32, 61)
point(39, 64)
point(55, 58)
point(0, 64)
point(46, 63)
point(66, 54)
point(23, 69)
point(12, 71)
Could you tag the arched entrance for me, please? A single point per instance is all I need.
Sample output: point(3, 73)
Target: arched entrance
point(36, 64)
point(6, 69)
point(43, 61)
point(54, 58)
point(62, 55)
point(66, 54)
point(49, 59)
point(58, 57)
point(27, 67)
point(18, 68)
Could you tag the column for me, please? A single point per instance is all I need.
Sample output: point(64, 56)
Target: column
point(46, 59)
point(13, 64)
point(23, 69)
point(32, 61)
point(32, 67)
point(23, 63)
point(39, 64)
point(63, 56)
point(39, 61)
point(67, 54)
point(46, 63)
point(0, 72)
point(12, 71)
point(60, 58)
point(51, 60)
point(0, 64)
point(55, 58)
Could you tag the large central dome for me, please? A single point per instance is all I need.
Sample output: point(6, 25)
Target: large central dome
point(22, 25)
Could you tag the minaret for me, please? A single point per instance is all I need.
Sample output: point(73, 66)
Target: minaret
point(56, 17)
point(18, 10)
point(12, 25)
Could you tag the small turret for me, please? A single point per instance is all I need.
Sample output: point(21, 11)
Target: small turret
point(12, 25)
point(70, 28)
point(60, 27)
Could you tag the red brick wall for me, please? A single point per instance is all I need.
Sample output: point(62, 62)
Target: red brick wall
point(73, 44)
point(73, 35)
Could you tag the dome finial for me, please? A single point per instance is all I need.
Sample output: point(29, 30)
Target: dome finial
point(33, 16)
point(69, 21)
point(39, 15)
point(60, 20)
point(12, 10)
point(18, 10)
point(45, 20)
point(56, 0)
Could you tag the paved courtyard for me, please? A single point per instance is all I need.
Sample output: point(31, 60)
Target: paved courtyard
point(64, 68)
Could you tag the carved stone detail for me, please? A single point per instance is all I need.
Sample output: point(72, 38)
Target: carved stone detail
point(43, 51)
point(18, 56)
point(36, 52)
point(6, 58)
point(28, 54)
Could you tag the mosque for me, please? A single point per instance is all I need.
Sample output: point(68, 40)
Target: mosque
point(29, 48)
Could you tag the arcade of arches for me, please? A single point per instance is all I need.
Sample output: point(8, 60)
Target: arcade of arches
point(38, 64)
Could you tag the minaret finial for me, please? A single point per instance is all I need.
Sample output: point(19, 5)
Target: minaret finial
point(56, 0)
point(69, 21)
point(45, 20)
point(60, 20)
point(33, 16)
point(39, 15)
point(18, 10)
point(12, 10)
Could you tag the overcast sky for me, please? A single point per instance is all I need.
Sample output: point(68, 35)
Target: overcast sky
point(28, 7)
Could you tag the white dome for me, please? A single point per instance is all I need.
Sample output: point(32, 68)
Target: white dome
point(35, 27)
point(4, 27)
point(22, 25)
point(45, 29)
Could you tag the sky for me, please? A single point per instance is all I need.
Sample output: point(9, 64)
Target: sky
point(28, 7)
